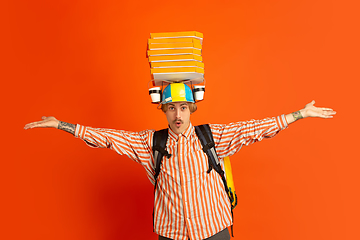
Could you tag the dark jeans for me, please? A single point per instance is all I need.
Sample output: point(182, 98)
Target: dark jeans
point(223, 235)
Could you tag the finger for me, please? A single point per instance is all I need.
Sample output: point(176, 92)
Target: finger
point(329, 114)
point(33, 124)
point(323, 115)
point(327, 109)
point(43, 117)
point(310, 103)
point(29, 125)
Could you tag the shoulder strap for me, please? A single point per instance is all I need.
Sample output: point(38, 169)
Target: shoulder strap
point(159, 144)
point(207, 141)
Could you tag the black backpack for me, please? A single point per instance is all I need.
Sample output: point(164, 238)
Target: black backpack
point(208, 146)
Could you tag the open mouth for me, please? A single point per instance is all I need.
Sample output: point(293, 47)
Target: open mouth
point(178, 123)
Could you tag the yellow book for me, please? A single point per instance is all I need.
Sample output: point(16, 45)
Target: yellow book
point(165, 58)
point(158, 46)
point(175, 40)
point(177, 64)
point(174, 52)
point(176, 35)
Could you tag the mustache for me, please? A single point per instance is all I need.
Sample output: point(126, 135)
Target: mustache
point(178, 120)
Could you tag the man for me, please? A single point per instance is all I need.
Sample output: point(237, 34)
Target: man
point(190, 203)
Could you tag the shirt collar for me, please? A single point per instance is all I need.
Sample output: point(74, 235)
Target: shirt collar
point(187, 133)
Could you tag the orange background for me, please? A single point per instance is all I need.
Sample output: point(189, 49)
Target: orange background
point(85, 62)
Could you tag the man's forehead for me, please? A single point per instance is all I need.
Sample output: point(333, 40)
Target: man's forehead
point(178, 103)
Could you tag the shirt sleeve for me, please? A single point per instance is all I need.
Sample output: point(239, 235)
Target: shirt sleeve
point(229, 138)
point(135, 145)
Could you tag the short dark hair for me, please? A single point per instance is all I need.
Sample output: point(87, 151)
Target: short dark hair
point(192, 107)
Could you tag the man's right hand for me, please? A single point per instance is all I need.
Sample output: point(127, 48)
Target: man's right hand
point(51, 122)
point(47, 122)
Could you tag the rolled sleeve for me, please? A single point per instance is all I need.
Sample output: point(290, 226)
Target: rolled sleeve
point(281, 122)
point(79, 131)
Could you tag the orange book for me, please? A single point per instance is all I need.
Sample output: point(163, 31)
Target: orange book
point(159, 46)
point(174, 52)
point(165, 58)
point(175, 40)
point(176, 64)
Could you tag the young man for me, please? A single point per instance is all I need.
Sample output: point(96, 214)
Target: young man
point(189, 202)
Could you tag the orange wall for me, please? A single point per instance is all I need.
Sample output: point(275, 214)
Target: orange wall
point(84, 62)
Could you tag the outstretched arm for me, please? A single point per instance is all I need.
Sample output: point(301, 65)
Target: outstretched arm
point(51, 122)
point(135, 145)
point(310, 111)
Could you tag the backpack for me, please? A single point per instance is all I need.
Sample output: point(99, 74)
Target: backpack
point(208, 146)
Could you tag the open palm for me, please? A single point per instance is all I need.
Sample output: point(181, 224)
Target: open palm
point(312, 111)
point(47, 122)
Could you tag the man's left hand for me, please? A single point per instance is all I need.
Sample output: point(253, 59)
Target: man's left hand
point(311, 111)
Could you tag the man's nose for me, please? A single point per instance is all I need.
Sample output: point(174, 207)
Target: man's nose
point(177, 113)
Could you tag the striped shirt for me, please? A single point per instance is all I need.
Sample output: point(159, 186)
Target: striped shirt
point(189, 202)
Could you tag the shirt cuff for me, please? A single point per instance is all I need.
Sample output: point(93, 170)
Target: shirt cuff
point(281, 122)
point(80, 131)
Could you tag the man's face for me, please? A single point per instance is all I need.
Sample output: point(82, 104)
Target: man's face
point(178, 116)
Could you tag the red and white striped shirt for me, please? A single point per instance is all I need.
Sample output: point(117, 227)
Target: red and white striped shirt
point(189, 202)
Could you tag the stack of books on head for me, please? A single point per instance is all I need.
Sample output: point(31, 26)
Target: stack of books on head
point(176, 56)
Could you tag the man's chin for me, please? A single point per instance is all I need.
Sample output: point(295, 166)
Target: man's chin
point(177, 128)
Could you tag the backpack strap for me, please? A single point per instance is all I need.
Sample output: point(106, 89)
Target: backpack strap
point(207, 141)
point(159, 144)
